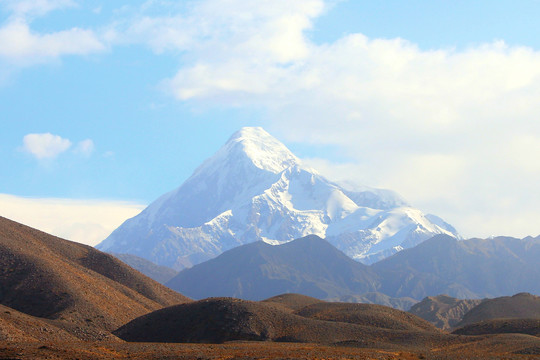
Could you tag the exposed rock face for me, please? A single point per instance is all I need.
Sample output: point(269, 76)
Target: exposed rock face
point(443, 311)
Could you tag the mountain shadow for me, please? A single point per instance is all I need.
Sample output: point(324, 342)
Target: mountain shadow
point(309, 266)
point(468, 269)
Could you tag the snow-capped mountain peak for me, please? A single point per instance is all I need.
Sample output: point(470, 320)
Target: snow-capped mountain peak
point(255, 146)
point(254, 188)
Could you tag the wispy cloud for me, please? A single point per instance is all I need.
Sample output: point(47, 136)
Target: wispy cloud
point(29, 8)
point(21, 46)
point(85, 147)
point(45, 146)
point(84, 221)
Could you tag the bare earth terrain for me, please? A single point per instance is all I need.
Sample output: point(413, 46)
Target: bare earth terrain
point(493, 347)
point(62, 300)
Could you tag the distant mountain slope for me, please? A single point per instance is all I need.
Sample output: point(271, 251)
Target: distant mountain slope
point(312, 266)
point(309, 266)
point(519, 306)
point(443, 311)
point(402, 303)
point(254, 189)
point(83, 290)
point(161, 274)
point(465, 269)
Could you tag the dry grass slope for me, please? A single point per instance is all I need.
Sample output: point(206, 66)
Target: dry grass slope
point(18, 327)
point(519, 306)
point(83, 291)
point(291, 302)
point(502, 326)
point(377, 316)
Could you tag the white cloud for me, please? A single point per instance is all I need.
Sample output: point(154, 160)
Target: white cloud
point(85, 147)
point(35, 7)
point(22, 47)
point(84, 221)
point(455, 131)
point(45, 146)
point(227, 43)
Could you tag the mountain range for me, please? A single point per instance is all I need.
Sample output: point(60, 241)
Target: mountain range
point(466, 269)
point(310, 266)
point(255, 189)
point(470, 269)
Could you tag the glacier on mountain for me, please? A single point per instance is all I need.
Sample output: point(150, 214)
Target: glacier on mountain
point(254, 189)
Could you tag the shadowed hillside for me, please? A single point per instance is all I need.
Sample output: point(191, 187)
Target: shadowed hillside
point(467, 269)
point(502, 326)
point(218, 320)
point(309, 266)
point(83, 290)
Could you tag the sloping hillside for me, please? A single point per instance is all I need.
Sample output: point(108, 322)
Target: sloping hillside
point(443, 311)
point(519, 306)
point(218, 320)
point(88, 292)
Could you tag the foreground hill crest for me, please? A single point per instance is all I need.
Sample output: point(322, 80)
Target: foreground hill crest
point(254, 188)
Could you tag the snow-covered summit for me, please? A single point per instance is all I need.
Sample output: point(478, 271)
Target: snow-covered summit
point(254, 188)
point(258, 147)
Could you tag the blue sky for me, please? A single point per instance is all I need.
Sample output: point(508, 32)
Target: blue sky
point(436, 100)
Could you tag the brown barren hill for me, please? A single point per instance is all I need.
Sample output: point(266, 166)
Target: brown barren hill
point(292, 302)
point(443, 311)
point(18, 327)
point(372, 315)
point(519, 306)
point(219, 320)
point(85, 291)
point(502, 326)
